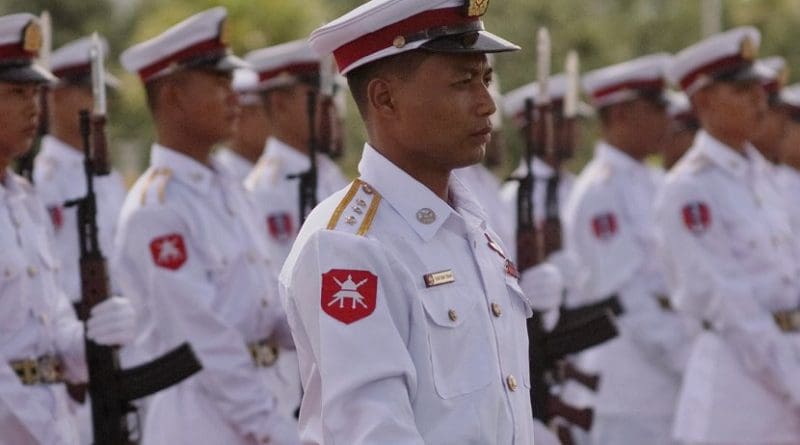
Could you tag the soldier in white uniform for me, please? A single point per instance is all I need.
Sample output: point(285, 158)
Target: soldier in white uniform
point(772, 128)
point(41, 340)
point(251, 128)
point(58, 168)
point(609, 225)
point(59, 176)
point(683, 128)
point(788, 171)
point(404, 305)
point(287, 73)
point(731, 257)
point(190, 254)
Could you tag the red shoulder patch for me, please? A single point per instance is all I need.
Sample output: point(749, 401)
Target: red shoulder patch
point(349, 295)
point(280, 226)
point(697, 217)
point(56, 216)
point(604, 226)
point(168, 251)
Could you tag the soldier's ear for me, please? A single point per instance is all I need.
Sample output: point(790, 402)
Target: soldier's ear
point(380, 96)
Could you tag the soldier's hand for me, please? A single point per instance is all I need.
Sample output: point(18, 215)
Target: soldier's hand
point(112, 322)
point(543, 286)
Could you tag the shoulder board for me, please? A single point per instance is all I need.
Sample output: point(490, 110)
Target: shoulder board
point(156, 184)
point(266, 168)
point(356, 210)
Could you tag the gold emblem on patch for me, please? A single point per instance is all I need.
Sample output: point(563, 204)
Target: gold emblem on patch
point(32, 37)
point(224, 33)
point(476, 8)
point(748, 50)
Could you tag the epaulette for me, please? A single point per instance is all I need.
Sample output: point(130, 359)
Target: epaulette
point(157, 180)
point(269, 167)
point(356, 210)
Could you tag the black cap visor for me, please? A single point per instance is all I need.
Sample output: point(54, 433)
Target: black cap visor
point(26, 73)
point(469, 42)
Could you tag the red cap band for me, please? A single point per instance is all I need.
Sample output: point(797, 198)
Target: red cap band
point(207, 46)
point(15, 51)
point(73, 70)
point(384, 38)
point(638, 85)
point(292, 69)
point(712, 67)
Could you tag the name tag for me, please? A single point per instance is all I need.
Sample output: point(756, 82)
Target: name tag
point(438, 278)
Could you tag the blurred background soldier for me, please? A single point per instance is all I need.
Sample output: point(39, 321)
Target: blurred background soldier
point(731, 257)
point(41, 340)
point(772, 128)
point(59, 176)
point(190, 254)
point(788, 172)
point(682, 130)
point(251, 128)
point(610, 228)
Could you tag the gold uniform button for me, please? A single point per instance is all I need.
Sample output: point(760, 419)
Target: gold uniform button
point(497, 310)
point(452, 314)
point(511, 382)
point(32, 271)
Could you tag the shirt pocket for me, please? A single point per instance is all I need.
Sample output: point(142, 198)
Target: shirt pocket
point(458, 338)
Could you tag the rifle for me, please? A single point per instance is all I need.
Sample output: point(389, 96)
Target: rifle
point(572, 334)
point(111, 388)
point(25, 162)
point(331, 137)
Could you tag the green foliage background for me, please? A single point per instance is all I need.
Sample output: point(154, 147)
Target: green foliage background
point(602, 31)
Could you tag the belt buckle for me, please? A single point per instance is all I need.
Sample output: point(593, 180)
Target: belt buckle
point(787, 321)
point(26, 371)
point(49, 369)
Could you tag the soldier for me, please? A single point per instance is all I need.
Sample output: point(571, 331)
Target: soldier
point(188, 252)
point(609, 227)
point(772, 128)
point(683, 127)
point(41, 340)
point(252, 128)
point(287, 73)
point(788, 171)
point(405, 308)
point(731, 257)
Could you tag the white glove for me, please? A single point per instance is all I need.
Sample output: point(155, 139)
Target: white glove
point(566, 264)
point(543, 286)
point(281, 430)
point(112, 322)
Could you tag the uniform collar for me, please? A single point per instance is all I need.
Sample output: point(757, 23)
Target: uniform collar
point(292, 161)
point(55, 148)
point(410, 198)
point(238, 161)
point(11, 185)
point(725, 157)
point(185, 169)
point(616, 157)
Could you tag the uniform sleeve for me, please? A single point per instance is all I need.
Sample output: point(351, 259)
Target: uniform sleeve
point(710, 285)
point(176, 287)
point(358, 339)
point(618, 263)
point(15, 401)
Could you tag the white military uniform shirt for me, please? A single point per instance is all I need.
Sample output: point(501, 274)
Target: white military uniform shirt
point(732, 262)
point(59, 176)
point(387, 358)
point(486, 188)
point(36, 319)
point(190, 258)
point(609, 226)
point(234, 164)
point(276, 199)
point(788, 183)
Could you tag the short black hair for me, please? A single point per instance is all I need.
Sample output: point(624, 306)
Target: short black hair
point(401, 65)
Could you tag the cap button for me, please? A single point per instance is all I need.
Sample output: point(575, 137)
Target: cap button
point(399, 42)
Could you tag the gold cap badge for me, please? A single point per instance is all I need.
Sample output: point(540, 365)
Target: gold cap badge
point(748, 49)
point(476, 8)
point(32, 37)
point(224, 33)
